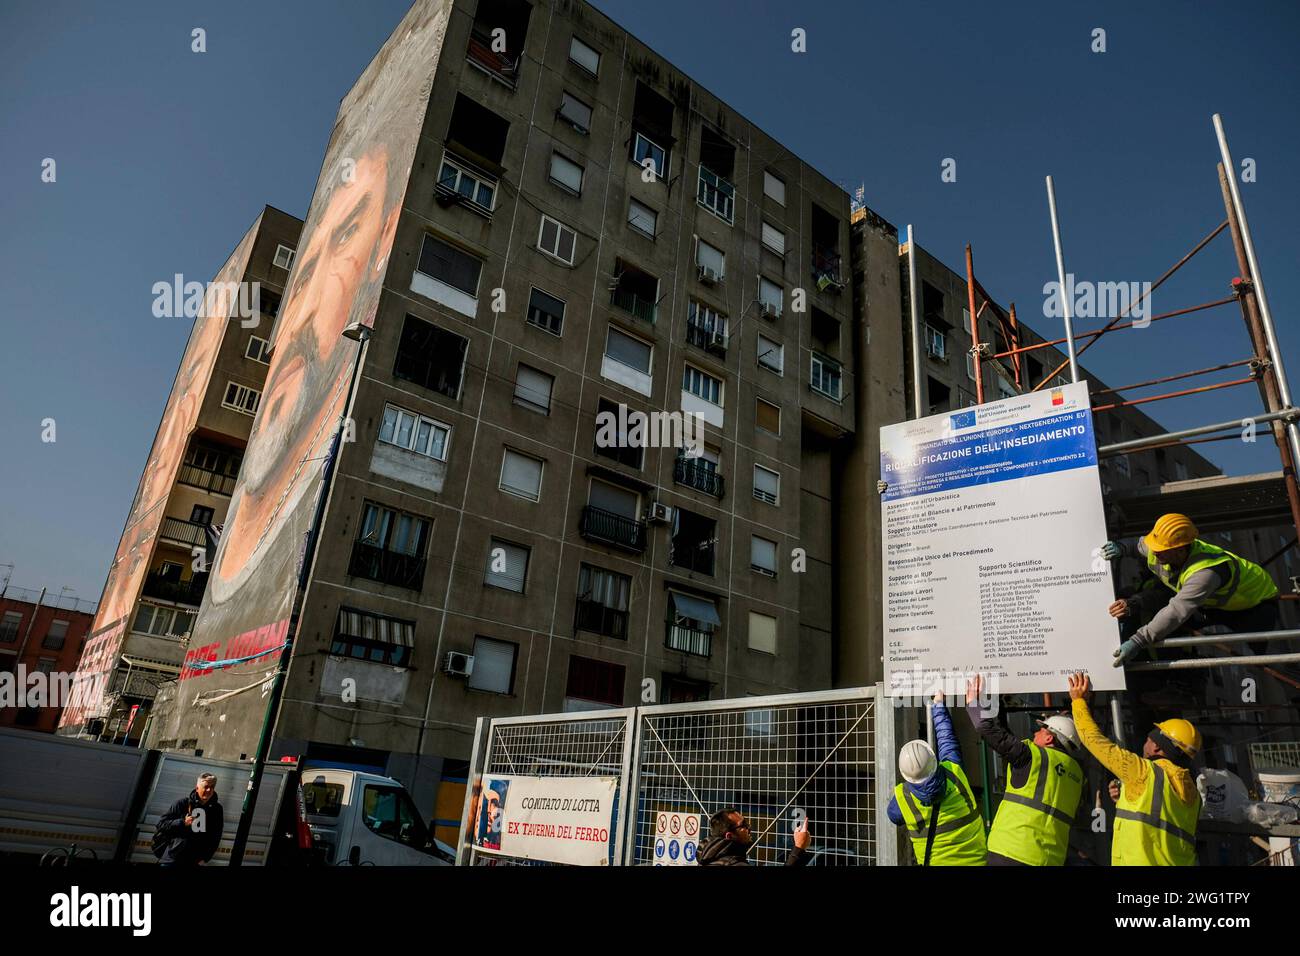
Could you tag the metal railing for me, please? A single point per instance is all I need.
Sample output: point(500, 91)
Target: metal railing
point(387, 567)
point(597, 524)
point(692, 555)
point(706, 337)
point(692, 640)
point(693, 473)
point(207, 479)
point(826, 268)
point(630, 302)
point(186, 532)
point(61, 601)
point(169, 589)
point(597, 617)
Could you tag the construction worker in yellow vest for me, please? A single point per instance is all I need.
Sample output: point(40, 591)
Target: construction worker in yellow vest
point(1044, 785)
point(935, 801)
point(1158, 805)
point(1202, 585)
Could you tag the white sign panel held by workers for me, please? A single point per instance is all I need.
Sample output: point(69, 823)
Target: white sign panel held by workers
point(557, 819)
point(993, 520)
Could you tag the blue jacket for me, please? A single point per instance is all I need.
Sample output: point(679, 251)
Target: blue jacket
point(946, 749)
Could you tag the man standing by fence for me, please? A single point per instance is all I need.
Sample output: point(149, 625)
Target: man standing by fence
point(730, 839)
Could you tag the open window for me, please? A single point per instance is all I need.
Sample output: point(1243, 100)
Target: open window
point(716, 191)
point(694, 541)
point(652, 130)
point(496, 40)
point(826, 332)
point(825, 234)
point(634, 290)
point(471, 164)
point(431, 357)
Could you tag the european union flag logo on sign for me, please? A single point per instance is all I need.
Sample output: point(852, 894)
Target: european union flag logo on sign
point(963, 420)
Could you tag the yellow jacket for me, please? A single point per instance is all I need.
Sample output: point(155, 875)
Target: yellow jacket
point(1132, 770)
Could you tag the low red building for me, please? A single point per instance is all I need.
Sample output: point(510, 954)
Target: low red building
point(41, 637)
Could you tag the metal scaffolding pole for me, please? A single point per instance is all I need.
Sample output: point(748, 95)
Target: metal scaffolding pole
point(918, 396)
point(1257, 280)
point(1060, 272)
point(1150, 441)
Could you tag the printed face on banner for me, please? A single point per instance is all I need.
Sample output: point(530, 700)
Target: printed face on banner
point(557, 819)
point(992, 518)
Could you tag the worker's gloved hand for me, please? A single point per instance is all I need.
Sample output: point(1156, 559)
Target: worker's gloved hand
point(1112, 551)
point(1126, 652)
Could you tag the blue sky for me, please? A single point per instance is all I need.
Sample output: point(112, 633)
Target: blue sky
point(166, 156)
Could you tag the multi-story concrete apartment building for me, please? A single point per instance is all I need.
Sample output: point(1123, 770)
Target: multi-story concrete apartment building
point(41, 633)
point(157, 579)
point(526, 218)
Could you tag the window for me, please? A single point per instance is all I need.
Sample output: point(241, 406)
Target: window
point(241, 398)
point(364, 636)
point(389, 813)
point(613, 500)
point(477, 135)
point(706, 327)
point(162, 621)
point(767, 416)
point(521, 475)
point(767, 485)
point(1180, 471)
point(694, 541)
point(390, 547)
point(448, 276)
point(55, 636)
point(556, 239)
point(645, 149)
point(826, 376)
point(201, 515)
point(935, 342)
point(702, 385)
point(970, 366)
point(1005, 388)
point(1122, 466)
point(626, 350)
point(268, 302)
point(716, 194)
point(762, 633)
point(584, 56)
point(533, 388)
point(546, 311)
point(507, 566)
point(431, 357)
point(602, 602)
point(500, 60)
point(575, 112)
point(773, 187)
point(593, 682)
point(711, 261)
point(774, 239)
point(567, 174)
point(931, 303)
point(494, 666)
point(10, 626)
point(771, 355)
point(283, 256)
point(635, 291)
point(692, 622)
point(259, 350)
point(642, 218)
point(621, 450)
point(771, 298)
point(762, 555)
point(700, 472)
point(459, 178)
point(416, 433)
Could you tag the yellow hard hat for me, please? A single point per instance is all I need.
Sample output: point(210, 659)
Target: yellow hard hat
point(1171, 531)
point(1184, 736)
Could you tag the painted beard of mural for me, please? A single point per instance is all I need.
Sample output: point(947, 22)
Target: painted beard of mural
point(344, 257)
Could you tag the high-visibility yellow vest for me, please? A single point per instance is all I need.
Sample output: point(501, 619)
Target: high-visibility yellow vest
point(1033, 821)
point(1248, 584)
point(1156, 828)
point(959, 834)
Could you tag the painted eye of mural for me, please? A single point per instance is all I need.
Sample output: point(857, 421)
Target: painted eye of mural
point(348, 233)
point(304, 275)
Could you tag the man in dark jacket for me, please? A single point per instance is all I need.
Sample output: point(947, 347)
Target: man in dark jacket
point(194, 824)
point(730, 839)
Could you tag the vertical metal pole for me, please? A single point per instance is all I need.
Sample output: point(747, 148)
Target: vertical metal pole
point(974, 327)
point(1018, 360)
point(886, 754)
point(475, 774)
point(1117, 718)
point(1060, 274)
point(1257, 280)
point(918, 394)
point(929, 724)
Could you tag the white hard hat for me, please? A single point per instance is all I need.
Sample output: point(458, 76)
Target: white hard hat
point(1062, 728)
point(917, 762)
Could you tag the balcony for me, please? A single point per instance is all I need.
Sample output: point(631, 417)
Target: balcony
point(213, 481)
point(689, 639)
point(500, 66)
point(596, 617)
point(630, 302)
point(699, 474)
point(716, 194)
point(132, 682)
point(707, 337)
point(606, 527)
point(387, 567)
point(189, 533)
point(178, 592)
point(826, 269)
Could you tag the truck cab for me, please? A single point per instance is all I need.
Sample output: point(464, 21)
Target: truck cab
point(363, 819)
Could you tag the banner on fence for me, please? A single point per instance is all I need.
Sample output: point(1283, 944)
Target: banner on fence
point(993, 521)
point(556, 819)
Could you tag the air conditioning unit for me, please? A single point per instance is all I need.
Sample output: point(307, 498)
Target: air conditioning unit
point(717, 340)
point(769, 311)
point(658, 512)
point(457, 664)
point(708, 276)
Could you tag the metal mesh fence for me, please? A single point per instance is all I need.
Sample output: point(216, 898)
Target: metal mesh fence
point(774, 760)
point(1276, 754)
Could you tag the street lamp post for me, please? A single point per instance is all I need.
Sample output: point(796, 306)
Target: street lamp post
point(360, 334)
